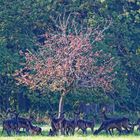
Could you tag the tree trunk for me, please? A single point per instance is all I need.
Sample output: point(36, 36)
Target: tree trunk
point(61, 105)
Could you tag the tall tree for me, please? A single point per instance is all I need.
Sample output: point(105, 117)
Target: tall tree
point(67, 59)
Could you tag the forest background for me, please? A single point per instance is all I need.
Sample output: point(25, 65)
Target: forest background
point(23, 22)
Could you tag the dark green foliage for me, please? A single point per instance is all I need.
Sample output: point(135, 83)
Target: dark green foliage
point(21, 23)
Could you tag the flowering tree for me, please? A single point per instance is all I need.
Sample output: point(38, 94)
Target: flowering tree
point(67, 60)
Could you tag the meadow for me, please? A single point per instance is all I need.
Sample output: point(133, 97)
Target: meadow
point(77, 136)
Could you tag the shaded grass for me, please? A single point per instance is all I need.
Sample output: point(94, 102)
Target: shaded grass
point(77, 136)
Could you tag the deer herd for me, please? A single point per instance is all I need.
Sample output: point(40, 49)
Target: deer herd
point(14, 124)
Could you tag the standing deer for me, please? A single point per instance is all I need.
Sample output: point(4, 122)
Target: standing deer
point(107, 125)
point(56, 123)
point(84, 124)
point(124, 124)
point(68, 126)
point(35, 130)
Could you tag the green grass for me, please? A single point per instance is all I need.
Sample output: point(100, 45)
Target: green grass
point(72, 138)
point(78, 136)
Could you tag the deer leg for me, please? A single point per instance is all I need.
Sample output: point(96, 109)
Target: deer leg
point(27, 131)
point(125, 127)
point(72, 130)
point(67, 131)
point(2, 132)
point(106, 131)
point(110, 132)
point(85, 131)
point(56, 131)
point(17, 130)
point(41, 133)
point(62, 130)
point(92, 130)
point(119, 130)
point(8, 132)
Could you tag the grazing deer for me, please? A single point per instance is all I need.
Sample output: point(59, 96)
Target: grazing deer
point(124, 124)
point(117, 123)
point(35, 130)
point(24, 123)
point(108, 125)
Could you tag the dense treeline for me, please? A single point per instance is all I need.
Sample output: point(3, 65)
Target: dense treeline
point(22, 23)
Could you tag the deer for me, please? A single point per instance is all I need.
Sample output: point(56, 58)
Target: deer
point(125, 121)
point(56, 123)
point(105, 117)
point(35, 130)
point(107, 125)
point(11, 125)
point(84, 124)
point(117, 123)
point(91, 125)
point(24, 123)
point(68, 126)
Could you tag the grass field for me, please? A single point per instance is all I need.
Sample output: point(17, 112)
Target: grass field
point(78, 136)
point(72, 138)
